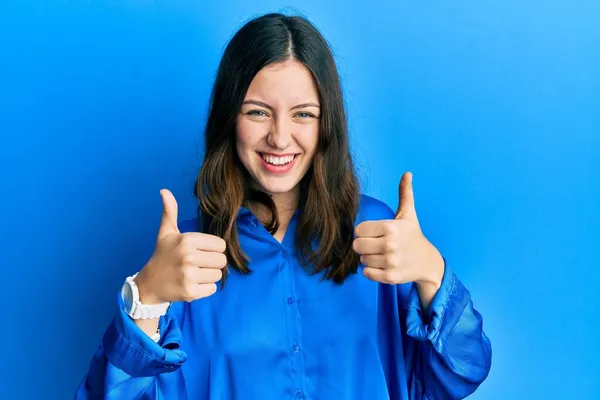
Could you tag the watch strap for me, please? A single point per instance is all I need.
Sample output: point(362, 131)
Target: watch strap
point(144, 311)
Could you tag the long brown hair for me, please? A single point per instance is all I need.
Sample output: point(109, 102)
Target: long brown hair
point(329, 192)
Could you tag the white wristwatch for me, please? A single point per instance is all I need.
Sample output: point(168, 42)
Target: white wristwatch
point(134, 308)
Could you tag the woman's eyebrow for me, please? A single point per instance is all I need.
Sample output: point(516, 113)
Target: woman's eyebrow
point(309, 104)
point(265, 105)
point(258, 103)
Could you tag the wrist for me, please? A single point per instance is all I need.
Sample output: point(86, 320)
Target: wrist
point(435, 272)
point(135, 306)
point(146, 295)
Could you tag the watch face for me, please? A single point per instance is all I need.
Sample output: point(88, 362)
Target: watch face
point(127, 296)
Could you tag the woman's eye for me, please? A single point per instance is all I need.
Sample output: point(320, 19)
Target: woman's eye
point(257, 113)
point(304, 115)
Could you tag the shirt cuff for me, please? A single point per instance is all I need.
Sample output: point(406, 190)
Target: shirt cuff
point(444, 310)
point(128, 348)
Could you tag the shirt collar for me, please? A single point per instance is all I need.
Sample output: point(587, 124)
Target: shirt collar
point(245, 216)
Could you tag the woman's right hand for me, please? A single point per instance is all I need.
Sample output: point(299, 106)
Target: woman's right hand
point(184, 266)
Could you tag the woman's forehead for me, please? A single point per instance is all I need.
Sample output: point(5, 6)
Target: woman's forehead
point(287, 82)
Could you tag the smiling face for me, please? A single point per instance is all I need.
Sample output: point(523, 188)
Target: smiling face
point(278, 127)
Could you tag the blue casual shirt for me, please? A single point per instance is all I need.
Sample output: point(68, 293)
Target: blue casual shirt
point(282, 333)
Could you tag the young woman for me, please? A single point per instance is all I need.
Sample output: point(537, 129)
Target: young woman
point(290, 284)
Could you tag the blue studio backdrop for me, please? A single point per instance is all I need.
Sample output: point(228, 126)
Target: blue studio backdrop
point(493, 105)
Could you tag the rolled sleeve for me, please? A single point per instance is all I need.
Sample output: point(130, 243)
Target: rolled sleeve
point(128, 348)
point(443, 313)
point(452, 353)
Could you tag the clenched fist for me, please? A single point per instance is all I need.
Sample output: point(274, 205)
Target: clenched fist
point(396, 251)
point(184, 266)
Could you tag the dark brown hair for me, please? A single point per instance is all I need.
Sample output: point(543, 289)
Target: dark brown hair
point(329, 192)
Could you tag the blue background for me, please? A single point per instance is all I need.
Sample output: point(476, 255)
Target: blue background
point(493, 105)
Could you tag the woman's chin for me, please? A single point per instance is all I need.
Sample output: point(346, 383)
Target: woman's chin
point(277, 188)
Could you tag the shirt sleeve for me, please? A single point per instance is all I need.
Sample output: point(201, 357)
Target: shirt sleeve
point(447, 354)
point(130, 365)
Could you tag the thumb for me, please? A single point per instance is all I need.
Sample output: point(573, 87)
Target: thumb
point(168, 223)
point(406, 203)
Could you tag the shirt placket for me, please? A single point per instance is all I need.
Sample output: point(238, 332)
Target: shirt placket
point(293, 327)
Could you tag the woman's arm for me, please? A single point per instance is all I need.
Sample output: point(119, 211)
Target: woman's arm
point(447, 354)
point(130, 365)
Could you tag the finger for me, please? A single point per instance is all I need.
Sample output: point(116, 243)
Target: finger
point(370, 229)
point(368, 245)
point(374, 261)
point(204, 290)
point(211, 259)
point(374, 274)
point(206, 275)
point(406, 203)
point(168, 223)
point(204, 259)
point(379, 275)
point(204, 242)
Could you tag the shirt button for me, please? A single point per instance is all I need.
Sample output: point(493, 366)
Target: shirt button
point(296, 348)
point(254, 223)
point(299, 394)
point(284, 253)
point(290, 300)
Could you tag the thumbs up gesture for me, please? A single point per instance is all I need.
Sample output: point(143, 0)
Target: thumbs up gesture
point(396, 251)
point(183, 267)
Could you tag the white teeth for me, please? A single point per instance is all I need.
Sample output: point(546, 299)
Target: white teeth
point(277, 160)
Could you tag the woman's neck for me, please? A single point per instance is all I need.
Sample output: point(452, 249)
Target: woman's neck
point(285, 204)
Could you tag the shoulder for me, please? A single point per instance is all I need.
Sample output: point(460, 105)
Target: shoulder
point(372, 209)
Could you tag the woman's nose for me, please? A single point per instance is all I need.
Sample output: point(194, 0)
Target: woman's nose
point(280, 136)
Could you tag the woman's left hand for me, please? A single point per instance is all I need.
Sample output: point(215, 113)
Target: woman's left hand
point(396, 251)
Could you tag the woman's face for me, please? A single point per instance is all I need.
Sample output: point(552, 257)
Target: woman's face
point(278, 126)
